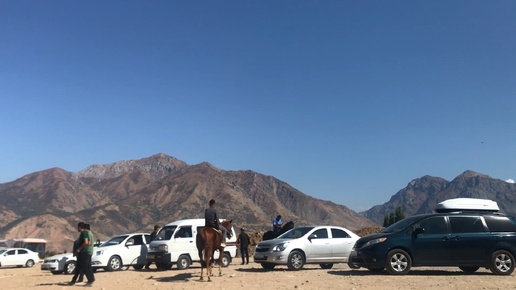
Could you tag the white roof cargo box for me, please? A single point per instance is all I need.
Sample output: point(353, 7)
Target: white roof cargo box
point(467, 204)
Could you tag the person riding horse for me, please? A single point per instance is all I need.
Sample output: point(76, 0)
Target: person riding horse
point(211, 220)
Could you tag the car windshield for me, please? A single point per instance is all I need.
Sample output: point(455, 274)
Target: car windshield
point(166, 233)
point(2, 251)
point(400, 225)
point(295, 233)
point(114, 241)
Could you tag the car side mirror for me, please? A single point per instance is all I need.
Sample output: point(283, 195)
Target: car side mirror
point(312, 236)
point(129, 243)
point(418, 231)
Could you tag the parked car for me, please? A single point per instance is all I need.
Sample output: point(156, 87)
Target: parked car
point(323, 245)
point(18, 257)
point(175, 245)
point(59, 264)
point(464, 233)
point(62, 263)
point(120, 252)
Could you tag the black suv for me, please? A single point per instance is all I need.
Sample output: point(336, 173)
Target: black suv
point(468, 240)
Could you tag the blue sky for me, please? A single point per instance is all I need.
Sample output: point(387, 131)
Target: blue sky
point(346, 101)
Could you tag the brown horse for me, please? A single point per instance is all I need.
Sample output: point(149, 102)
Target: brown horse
point(208, 240)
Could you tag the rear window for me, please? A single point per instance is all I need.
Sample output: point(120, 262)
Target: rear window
point(466, 224)
point(500, 224)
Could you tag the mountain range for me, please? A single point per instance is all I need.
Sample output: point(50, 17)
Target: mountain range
point(133, 195)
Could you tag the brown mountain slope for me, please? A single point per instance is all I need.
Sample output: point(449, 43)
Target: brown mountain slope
point(129, 196)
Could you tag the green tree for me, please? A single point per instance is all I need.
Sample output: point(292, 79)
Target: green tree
point(399, 214)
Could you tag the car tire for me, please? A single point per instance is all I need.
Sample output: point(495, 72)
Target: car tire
point(69, 268)
point(398, 262)
point(326, 266)
point(226, 259)
point(183, 262)
point(469, 269)
point(29, 263)
point(138, 266)
point(502, 263)
point(114, 264)
point(268, 266)
point(296, 261)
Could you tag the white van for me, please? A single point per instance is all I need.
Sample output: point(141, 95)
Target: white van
point(175, 244)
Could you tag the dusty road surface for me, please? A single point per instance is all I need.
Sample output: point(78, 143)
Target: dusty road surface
point(252, 276)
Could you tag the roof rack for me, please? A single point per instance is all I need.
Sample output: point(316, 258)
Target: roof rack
point(467, 205)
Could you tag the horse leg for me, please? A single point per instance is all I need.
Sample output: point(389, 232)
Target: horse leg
point(201, 257)
point(220, 261)
point(208, 266)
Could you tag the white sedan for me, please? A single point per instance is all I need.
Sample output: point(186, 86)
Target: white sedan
point(59, 264)
point(18, 257)
point(323, 245)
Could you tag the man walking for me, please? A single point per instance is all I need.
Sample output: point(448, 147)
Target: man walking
point(84, 252)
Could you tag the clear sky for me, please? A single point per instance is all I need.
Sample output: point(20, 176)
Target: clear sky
point(346, 101)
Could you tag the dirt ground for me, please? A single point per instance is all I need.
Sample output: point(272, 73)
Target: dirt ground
point(252, 276)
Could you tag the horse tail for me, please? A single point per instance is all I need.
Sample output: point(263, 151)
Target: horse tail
point(200, 242)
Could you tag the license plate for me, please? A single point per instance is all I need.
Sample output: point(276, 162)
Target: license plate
point(258, 256)
point(151, 256)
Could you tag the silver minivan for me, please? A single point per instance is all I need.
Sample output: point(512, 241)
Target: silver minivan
point(323, 245)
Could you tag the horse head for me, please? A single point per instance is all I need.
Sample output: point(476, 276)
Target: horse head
point(228, 224)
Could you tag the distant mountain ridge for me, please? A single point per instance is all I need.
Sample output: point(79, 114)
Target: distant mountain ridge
point(128, 196)
point(422, 194)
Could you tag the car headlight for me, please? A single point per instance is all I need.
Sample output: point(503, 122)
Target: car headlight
point(374, 242)
point(163, 248)
point(280, 247)
point(100, 252)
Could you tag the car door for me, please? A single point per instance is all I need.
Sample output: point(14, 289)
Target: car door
point(22, 257)
point(432, 246)
point(341, 245)
point(10, 258)
point(185, 241)
point(469, 239)
point(135, 250)
point(318, 246)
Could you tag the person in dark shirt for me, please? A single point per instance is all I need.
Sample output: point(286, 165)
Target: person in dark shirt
point(152, 238)
point(243, 243)
point(211, 220)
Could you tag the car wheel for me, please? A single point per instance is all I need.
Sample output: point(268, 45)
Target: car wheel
point(183, 262)
point(138, 266)
point(398, 262)
point(226, 259)
point(295, 261)
point(502, 263)
point(326, 266)
point(69, 268)
point(268, 266)
point(469, 269)
point(114, 264)
point(29, 263)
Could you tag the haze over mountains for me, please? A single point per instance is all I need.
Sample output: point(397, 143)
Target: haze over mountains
point(130, 196)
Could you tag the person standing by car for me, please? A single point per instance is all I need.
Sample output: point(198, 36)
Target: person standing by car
point(84, 253)
point(211, 220)
point(152, 238)
point(243, 243)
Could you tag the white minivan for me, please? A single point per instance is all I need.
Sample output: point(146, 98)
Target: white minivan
point(175, 244)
